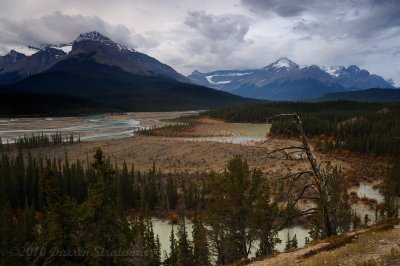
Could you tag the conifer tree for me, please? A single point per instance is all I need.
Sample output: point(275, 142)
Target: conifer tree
point(201, 254)
point(58, 223)
point(172, 258)
point(391, 191)
point(7, 233)
point(239, 213)
point(184, 247)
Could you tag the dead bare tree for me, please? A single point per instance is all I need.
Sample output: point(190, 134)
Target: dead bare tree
point(319, 180)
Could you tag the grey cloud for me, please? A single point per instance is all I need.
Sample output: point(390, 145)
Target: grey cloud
point(333, 19)
point(284, 8)
point(222, 27)
point(59, 28)
point(367, 23)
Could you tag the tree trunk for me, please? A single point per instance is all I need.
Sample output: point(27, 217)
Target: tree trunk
point(320, 180)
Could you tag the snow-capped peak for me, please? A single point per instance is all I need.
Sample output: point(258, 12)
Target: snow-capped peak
point(196, 72)
point(92, 36)
point(98, 37)
point(354, 68)
point(334, 71)
point(25, 50)
point(283, 63)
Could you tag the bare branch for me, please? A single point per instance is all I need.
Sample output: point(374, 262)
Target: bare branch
point(306, 198)
point(318, 176)
point(297, 175)
point(279, 116)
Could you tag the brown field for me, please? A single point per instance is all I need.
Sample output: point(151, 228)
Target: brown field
point(200, 149)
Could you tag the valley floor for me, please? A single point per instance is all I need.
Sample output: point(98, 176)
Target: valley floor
point(210, 144)
point(205, 147)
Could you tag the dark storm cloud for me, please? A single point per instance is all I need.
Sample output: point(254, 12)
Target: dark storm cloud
point(336, 19)
point(284, 8)
point(59, 28)
point(222, 27)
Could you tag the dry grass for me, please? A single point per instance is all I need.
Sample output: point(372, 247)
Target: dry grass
point(378, 245)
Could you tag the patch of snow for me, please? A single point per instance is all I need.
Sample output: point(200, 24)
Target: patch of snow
point(98, 37)
point(92, 36)
point(209, 79)
point(28, 51)
point(122, 48)
point(334, 71)
point(236, 74)
point(283, 62)
point(65, 48)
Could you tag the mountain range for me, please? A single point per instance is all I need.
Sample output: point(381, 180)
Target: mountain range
point(286, 80)
point(101, 72)
point(95, 72)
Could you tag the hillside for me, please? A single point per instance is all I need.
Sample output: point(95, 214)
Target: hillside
point(117, 89)
point(375, 246)
point(32, 104)
point(370, 95)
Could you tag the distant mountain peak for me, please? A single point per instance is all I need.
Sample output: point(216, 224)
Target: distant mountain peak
point(334, 71)
point(13, 52)
point(196, 72)
point(354, 68)
point(93, 36)
point(283, 63)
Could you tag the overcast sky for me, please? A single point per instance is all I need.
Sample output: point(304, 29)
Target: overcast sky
point(221, 34)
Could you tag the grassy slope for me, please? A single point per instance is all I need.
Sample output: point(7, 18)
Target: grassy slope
point(378, 245)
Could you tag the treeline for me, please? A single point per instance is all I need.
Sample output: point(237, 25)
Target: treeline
point(182, 124)
point(54, 205)
point(61, 213)
point(57, 229)
point(36, 140)
point(44, 104)
point(361, 127)
point(23, 182)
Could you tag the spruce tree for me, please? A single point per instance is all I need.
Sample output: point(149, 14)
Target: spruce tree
point(184, 247)
point(172, 258)
point(240, 212)
point(201, 254)
point(7, 235)
point(391, 191)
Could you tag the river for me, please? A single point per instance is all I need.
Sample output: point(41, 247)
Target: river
point(163, 228)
